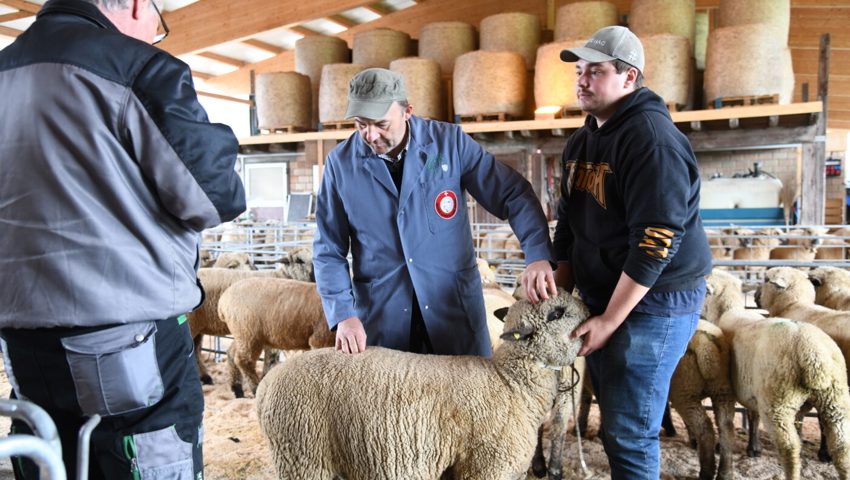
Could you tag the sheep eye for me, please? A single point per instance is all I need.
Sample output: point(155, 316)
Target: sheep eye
point(555, 314)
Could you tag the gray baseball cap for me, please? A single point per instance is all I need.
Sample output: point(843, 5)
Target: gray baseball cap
point(607, 44)
point(372, 92)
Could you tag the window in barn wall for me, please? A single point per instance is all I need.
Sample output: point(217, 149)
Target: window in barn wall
point(266, 190)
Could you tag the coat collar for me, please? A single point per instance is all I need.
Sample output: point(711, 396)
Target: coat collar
point(79, 8)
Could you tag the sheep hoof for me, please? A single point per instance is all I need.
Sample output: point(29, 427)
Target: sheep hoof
point(824, 456)
point(206, 379)
point(555, 475)
point(237, 390)
point(753, 453)
point(538, 466)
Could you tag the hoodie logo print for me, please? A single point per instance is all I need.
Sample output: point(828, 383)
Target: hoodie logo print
point(590, 178)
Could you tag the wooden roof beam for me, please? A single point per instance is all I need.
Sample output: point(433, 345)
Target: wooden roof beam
point(302, 30)
point(22, 5)
point(201, 75)
point(342, 21)
point(10, 32)
point(268, 47)
point(8, 17)
point(201, 25)
point(378, 9)
point(222, 59)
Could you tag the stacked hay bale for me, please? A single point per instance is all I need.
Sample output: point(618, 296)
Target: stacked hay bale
point(744, 51)
point(666, 29)
point(490, 82)
point(333, 90)
point(284, 101)
point(582, 19)
point(423, 80)
point(555, 80)
point(445, 41)
point(379, 47)
point(514, 32)
point(311, 54)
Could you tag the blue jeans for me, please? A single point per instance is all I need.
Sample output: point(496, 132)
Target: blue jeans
point(631, 379)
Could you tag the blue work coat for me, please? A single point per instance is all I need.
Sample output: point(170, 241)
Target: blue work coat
point(416, 239)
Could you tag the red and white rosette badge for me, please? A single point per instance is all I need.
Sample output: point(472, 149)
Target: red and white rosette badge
point(446, 204)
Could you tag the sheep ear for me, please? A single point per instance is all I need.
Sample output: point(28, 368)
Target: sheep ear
point(555, 314)
point(816, 281)
point(779, 282)
point(518, 334)
point(501, 313)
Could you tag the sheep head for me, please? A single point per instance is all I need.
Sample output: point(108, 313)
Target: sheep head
point(722, 293)
point(782, 287)
point(828, 279)
point(544, 329)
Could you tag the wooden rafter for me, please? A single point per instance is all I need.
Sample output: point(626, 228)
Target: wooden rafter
point(8, 17)
point(341, 21)
point(224, 97)
point(22, 5)
point(10, 32)
point(268, 47)
point(201, 75)
point(303, 31)
point(378, 9)
point(222, 59)
point(201, 25)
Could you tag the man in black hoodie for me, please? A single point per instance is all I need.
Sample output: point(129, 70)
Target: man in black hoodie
point(629, 236)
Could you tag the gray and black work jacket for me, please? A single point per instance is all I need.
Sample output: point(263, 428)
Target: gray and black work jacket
point(109, 169)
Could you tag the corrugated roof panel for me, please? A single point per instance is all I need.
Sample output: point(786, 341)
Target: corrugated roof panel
point(361, 15)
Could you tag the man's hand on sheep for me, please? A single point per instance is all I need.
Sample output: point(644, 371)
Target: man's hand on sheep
point(597, 330)
point(350, 336)
point(538, 280)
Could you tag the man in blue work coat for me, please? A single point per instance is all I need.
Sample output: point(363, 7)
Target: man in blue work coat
point(393, 195)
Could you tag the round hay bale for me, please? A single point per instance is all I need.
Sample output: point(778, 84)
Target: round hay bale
point(554, 80)
point(650, 17)
point(668, 66)
point(742, 61)
point(445, 41)
point(423, 81)
point(771, 12)
point(583, 19)
point(333, 90)
point(786, 93)
point(314, 52)
point(379, 47)
point(512, 32)
point(490, 82)
point(700, 39)
point(283, 100)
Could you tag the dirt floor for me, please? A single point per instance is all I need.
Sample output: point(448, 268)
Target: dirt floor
point(235, 449)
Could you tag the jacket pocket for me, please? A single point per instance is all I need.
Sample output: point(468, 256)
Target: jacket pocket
point(115, 370)
point(445, 206)
point(159, 455)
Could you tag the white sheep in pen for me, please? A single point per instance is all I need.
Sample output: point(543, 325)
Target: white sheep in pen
point(778, 365)
point(263, 313)
point(832, 287)
point(704, 372)
point(389, 415)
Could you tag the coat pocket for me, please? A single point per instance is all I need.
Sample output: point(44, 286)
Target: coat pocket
point(115, 370)
point(159, 455)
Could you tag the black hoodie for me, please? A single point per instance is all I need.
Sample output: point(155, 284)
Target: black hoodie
point(630, 203)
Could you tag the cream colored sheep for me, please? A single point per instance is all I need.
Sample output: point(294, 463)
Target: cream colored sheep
point(488, 276)
point(799, 249)
point(494, 299)
point(777, 366)
point(388, 415)
point(205, 320)
point(704, 372)
point(234, 261)
point(831, 248)
point(298, 265)
point(832, 287)
point(754, 246)
point(270, 313)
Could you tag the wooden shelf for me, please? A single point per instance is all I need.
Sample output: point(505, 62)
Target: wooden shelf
point(755, 116)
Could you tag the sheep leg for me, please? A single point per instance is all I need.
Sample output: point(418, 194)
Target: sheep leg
point(823, 451)
point(699, 425)
point(753, 444)
point(235, 375)
point(557, 437)
point(270, 359)
point(538, 462)
point(832, 411)
point(785, 437)
point(245, 357)
point(206, 379)
point(724, 414)
point(585, 399)
point(667, 422)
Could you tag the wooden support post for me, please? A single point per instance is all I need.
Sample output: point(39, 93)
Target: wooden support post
point(813, 195)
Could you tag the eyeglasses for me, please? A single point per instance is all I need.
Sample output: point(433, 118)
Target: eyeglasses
point(162, 30)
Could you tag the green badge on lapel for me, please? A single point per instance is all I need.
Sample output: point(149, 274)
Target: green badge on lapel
point(433, 163)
